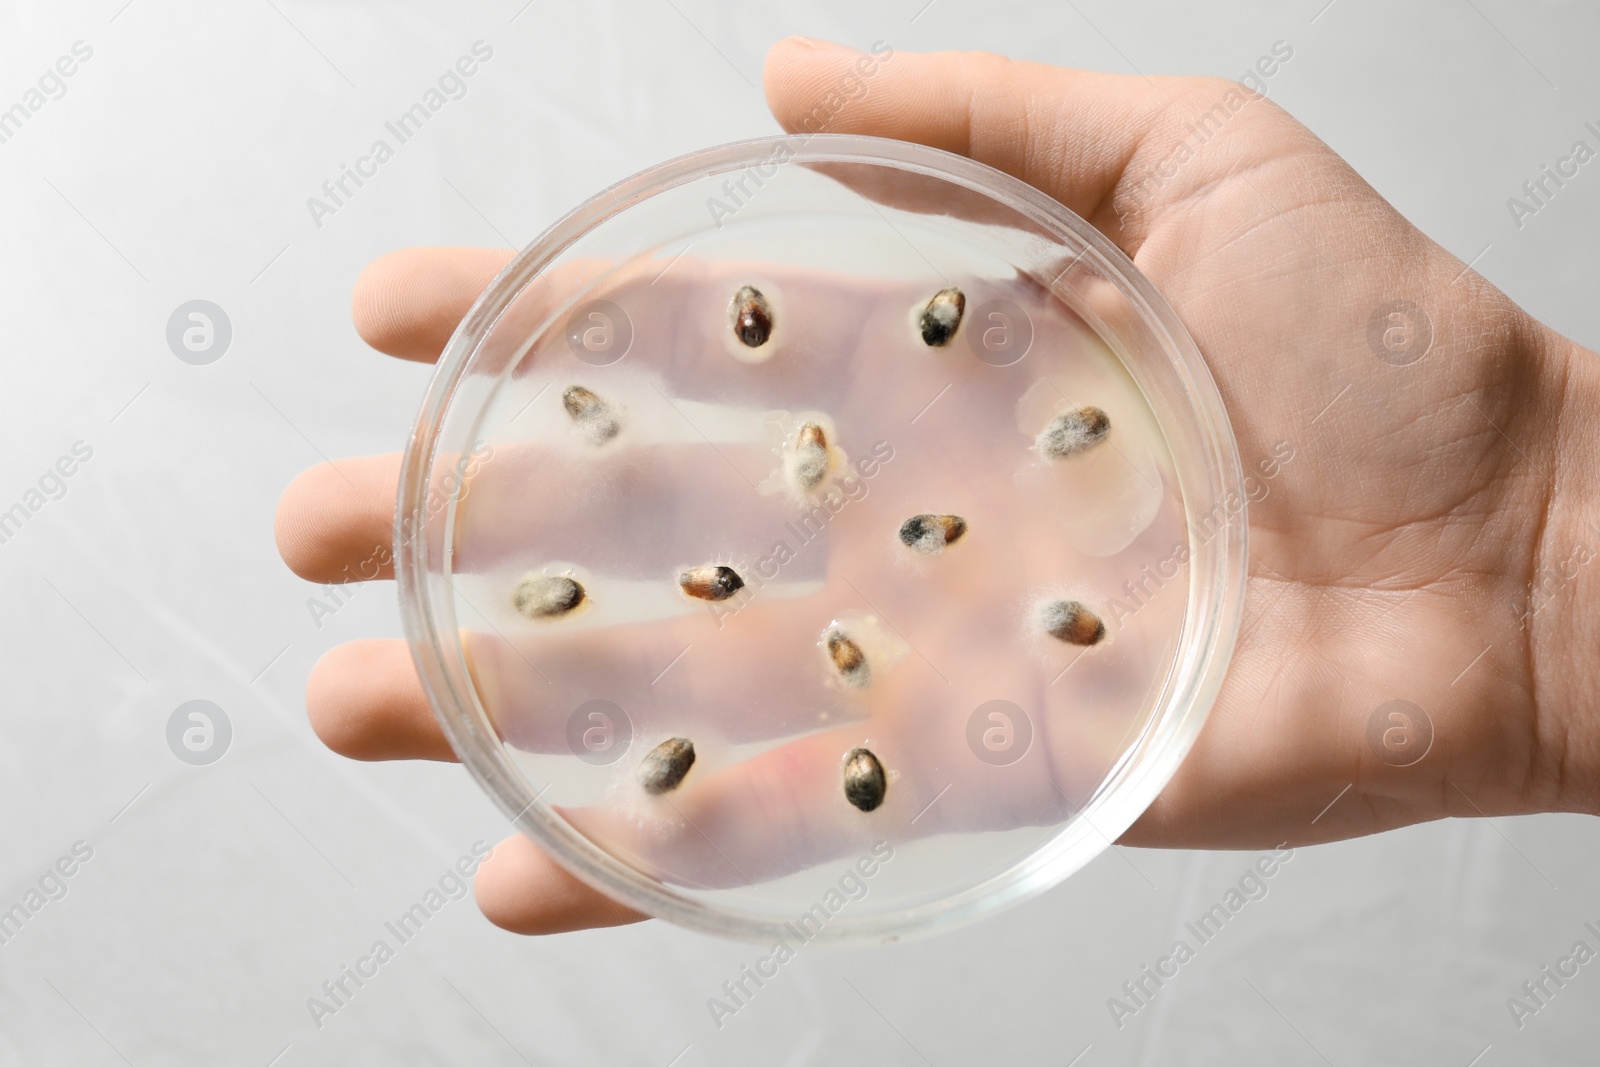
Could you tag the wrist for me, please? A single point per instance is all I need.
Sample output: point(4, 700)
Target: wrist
point(1560, 610)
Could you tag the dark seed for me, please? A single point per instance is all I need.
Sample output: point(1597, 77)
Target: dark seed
point(581, 403)
point(710, 583)
point(810, 461)
point(752, 317)
point(1074, 432)
point(942, 317)
point(593, 415)
point(864, 780)
point(543, 596)
point(1070, 621)
point(665, 766)
point(849, 660)
point(928, 534)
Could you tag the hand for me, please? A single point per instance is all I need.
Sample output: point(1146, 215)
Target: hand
point(1385, 556)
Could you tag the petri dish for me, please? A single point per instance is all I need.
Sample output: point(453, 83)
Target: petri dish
point(801, 448)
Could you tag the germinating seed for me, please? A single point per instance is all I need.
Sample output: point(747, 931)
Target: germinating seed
point(810, 460)
point(1070, 621)
point(752, 317)
point(849, 660)
point(593, 415)
point(710, 583)
point(928, 534)
point(665, 766)
point(544, 596)
point(864, 780)
point(1074, 432)
point(942, 317)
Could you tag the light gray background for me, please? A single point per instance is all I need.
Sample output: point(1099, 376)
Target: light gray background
point(219, 898)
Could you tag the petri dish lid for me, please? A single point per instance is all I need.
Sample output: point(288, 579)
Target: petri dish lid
point(801, 448)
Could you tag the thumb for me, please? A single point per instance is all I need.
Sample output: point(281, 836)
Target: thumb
point(1086, 138)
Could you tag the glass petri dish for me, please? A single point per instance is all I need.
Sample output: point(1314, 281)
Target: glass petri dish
point(803, 447)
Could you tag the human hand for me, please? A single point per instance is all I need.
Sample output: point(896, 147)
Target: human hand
point(1383, 555)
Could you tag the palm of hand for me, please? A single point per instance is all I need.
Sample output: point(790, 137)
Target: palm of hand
point(1391, 495)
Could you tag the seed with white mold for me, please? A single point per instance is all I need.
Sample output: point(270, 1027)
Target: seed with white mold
point(941, 317)
point(710, 582)
point(1075, 432)
point(752, 317)
point(864, 780)
point(809, 463)
point(545, 596)
point(849, 660)
point(593, 416)
point(927, 535)
point(1070, 621)
point(665, 766)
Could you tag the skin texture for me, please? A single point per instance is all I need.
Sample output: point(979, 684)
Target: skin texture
point(1392, 559)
